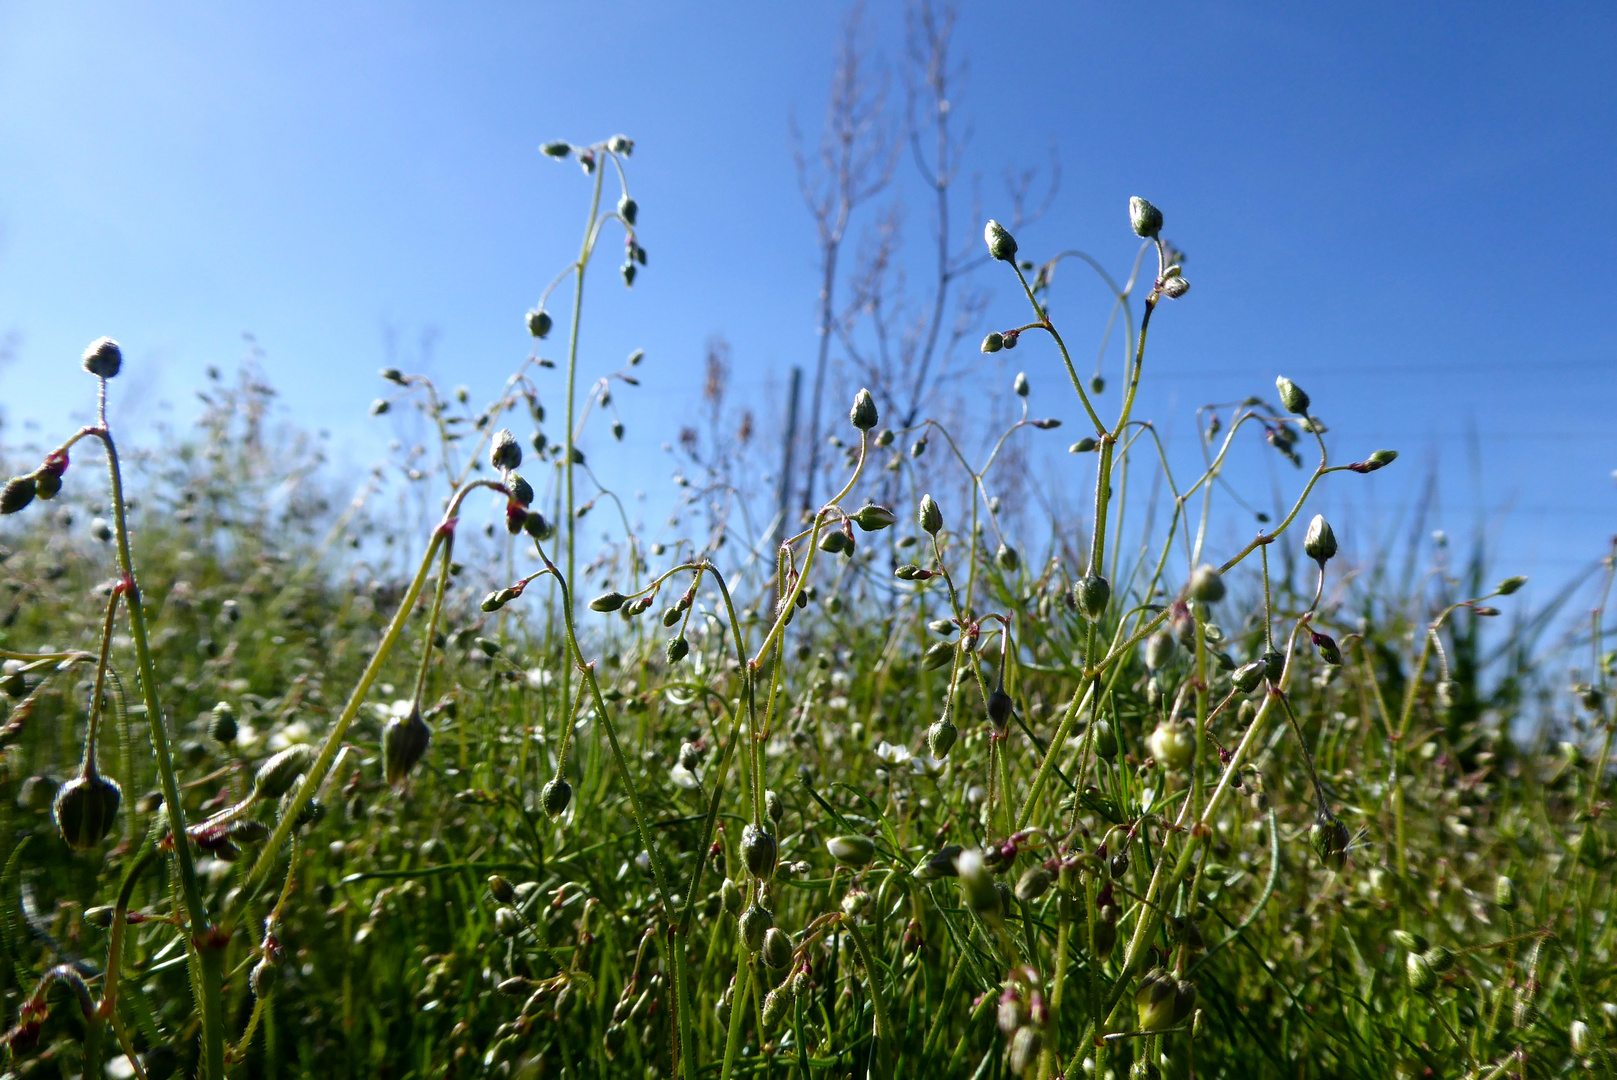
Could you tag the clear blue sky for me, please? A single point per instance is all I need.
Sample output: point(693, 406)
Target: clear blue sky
point(1403, 207)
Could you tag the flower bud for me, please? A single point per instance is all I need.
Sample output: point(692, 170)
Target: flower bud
point(863, 414)
point(1422, 979)
point(222, 724)
point(1026, 1045)
point(1001, 244)
point(1175, 287)
point(521, 491)
point(1153, 998)
point(539, 322)
point(1145, 219)
point(1173, 744)
point(852, 850)
point(1158, 649)
point(1006, 558)
point(555, 796)
point(557, 149)
point(404, 742)
point(1082, 446)
point(85, 808)
point(1292, 396)
point(999, 708)
point(1206, 585)
point(276, 776)
point(628, 209)
point(873, 518)
point(1105, 740)
point(1033, 884)
point(1330, 839)
point(678, 649)
point(1578, 1037)
point(1510, 585)
point(507, 922)
point(264, 978)
point(535, 525)
point(608, 601)
point(47, 483)
point(754, 923)
point(18, 493)
point(1380, 460)
point(1320, 542)
point(1092, 593)
point(774, 1007)
point(1020, 386)
point(930, 516)
point(993, 342)
point(500, 889)
point(940, 738)
point(103, 358)
point(977, 883)
point(777, 948)
point(505, 452)
point(730, 896)
point(1438, 958)
point(1328, 650)
point(1504, 893)
point(758, 851)
point(937, 654)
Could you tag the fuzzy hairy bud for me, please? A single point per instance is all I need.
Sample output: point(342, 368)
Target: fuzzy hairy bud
point(1292, 396)
point(277, 775)
point(1145, 219)
point(1001, 244)
point(103, 358)
point(404, 742)
point(85, 808)
point(929, 517)
point(1320, 542)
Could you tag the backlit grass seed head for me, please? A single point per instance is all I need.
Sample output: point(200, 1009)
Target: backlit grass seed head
point(863, 415)
point(1292, 396)
point(404, 742)
point(1092, 594)
point(759, 851)
point(554, 797)
point(539, 323)
point(929, 516)
point(505, 452)
point(85, 808)
point(1145, 219)
point(1320, 542)
point(754, 923)
point(1001, 244)
point(940, 738)
point(277, 775)
point(853, 850)
point(103, 358)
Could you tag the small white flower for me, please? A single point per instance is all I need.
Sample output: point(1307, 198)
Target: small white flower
point(893, 755)
point(927, 765)
point(538, 678)
point(684, 778)
point(291, 734)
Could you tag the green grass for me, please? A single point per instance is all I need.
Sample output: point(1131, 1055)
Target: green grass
point(1238, 813)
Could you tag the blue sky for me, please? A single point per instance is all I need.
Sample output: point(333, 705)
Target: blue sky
point(1403, 207)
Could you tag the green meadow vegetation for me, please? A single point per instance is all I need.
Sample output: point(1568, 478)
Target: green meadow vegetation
point(299, 782)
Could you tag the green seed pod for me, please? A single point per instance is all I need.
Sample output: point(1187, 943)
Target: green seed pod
point(1247, 677)
point(758, 851)
point(1206, 585)
point(103, 358)
point(1330, 839)
point(863, 414)
point(222, 724)
point(1422, 979)
point(555, 796)
point(613, 1040)
point(507, 922)
point(1034, 882)
point(777, 948)
point(1006, 558)
point(918, 447)
point(977, 884)
point(1328, 649)
point(1105, 740)
point(730, 896)
point(521, 491)
point(937, 654)
point(500, 889)
point(834, 542)
point(404, 742)
point(1145, 219)
point(265, 977)
point(1274, 665)
point(671, 615)
point(539, 322)
point(1510, 585)
point(1153, 1000)
point(999, 708)
point(1158, 648)
point(1001, 244)
point(940, 738)
point(678, 649)
point(754, 923)
point(1026, 1045)
point(1292, 396)
point(1380, 460)
point(47, 483)
point(1092, 594)
point(18, 493)
point(505, 452)
point(774, 1009)
point(872, 518)
point(993, 342)
point(1020, 385)
point(535, 525)
point(1184, 1001)
point(1082, 446)
point(608, 601)
point(1173, 744)
point(852, 850)
point(1504, 893)
point(1320, 543)
point(277, 775)
point(930, 517)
